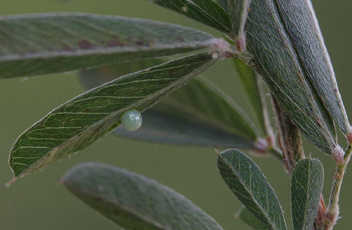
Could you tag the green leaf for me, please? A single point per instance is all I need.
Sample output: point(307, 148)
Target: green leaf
point(85, 119)
point(196, 114)
point(248, 183)
point(208, 12)
point(223, 3)
point(306, 189)
point(303, 30)
point(249, 81)
point(133, 201)
point(238, 11)
point(249, 219)
point(59, 42)
point(272, 53)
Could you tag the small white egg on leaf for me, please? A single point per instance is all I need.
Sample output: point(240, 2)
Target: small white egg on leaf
point(132, 120)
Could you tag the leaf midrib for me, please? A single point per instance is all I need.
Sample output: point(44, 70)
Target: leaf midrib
point(111, 116)
point(301, 66)
point(103, 51)
point(207, 14)
point(215, 19)
point(255, 200)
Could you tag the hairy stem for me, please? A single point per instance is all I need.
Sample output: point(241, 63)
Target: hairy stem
point(333, 208)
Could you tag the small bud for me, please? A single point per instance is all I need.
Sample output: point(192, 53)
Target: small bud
point(221, 49)
point(349, 136)
point(241, 43)
point(261, 145)
point(338, 154)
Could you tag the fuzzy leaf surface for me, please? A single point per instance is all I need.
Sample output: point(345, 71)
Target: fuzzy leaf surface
point(273, 54)
point(195, 114)
point(208, 12)
point(306, 189)
point(133, 201)
point(247, 217)
point(303, 30)
point(248, 183)
point(59, 42)
point(85, 119)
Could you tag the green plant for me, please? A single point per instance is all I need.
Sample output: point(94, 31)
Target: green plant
point(292, 62)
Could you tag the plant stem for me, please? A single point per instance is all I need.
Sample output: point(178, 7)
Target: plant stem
point(333, 208)
point(288, 136)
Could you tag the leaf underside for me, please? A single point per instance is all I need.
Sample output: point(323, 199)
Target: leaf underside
point(133, 201)
point(208, 12)
point(306, 189)
point(248, 183)
point(59, 42)
point(193, 115)
point(85, 119)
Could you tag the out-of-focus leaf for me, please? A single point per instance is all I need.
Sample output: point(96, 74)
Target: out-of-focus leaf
point(85, 119)
point(249, 219)
point(165, 129)
point(93, 77)
point(272, 53)
point(208, 12)
point(248, 183)
point(306, 188)
point(59, 42)
point(249, 80)
point(303, 30)
point(133, 201)
point(194, 115)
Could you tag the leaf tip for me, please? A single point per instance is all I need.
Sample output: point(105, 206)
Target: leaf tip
point(217, 152)
point(238, 213)
point(61, 181)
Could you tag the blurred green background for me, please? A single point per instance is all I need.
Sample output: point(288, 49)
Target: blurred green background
point(39, 202)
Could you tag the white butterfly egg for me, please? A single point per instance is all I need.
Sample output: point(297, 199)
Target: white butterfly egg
point(132, 120)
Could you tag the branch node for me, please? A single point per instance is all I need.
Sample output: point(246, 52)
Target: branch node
point(221, 49)
point(338, 154)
